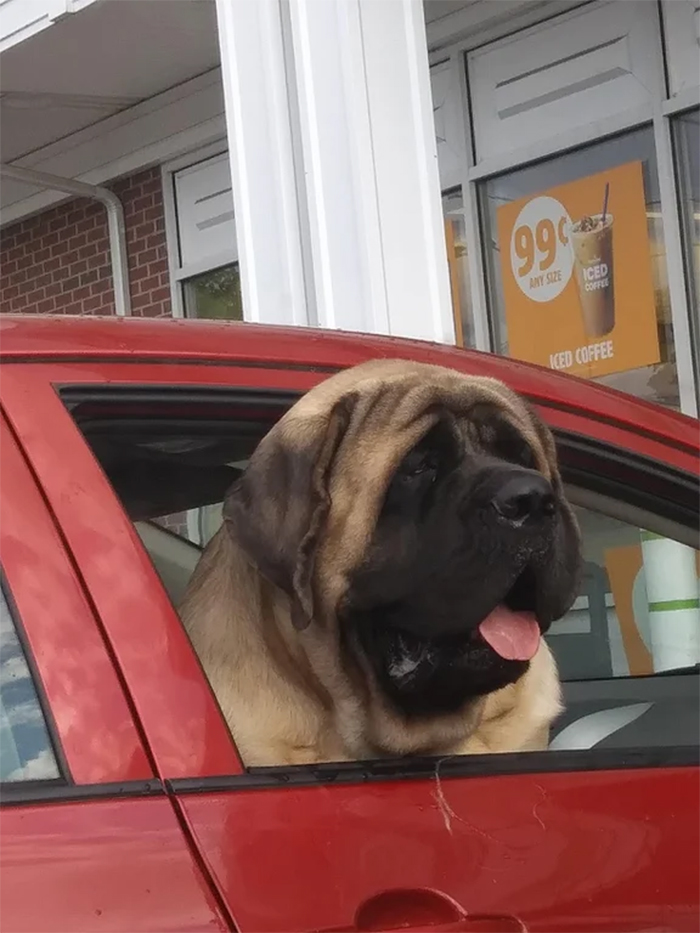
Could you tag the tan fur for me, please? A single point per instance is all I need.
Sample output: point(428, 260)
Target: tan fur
point(293, 697)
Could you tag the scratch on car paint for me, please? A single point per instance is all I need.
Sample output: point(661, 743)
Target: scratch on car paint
point(448, 813)
point(439, 797)
point(539, 819)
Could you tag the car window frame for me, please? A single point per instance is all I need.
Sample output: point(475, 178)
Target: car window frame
point(84, 774)
point(507, 764)
point(186, 378)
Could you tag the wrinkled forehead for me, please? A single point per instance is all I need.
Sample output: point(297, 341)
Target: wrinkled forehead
point(403, 399)
point(413, 384)
point(392, 404)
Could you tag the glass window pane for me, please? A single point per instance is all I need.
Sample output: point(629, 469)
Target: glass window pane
point(687, 139)
point(638, 611)
point(176, 523)
point(456, 241)
point(656, 381)
point(25, 747)
point(215, 294)
point(197, 525)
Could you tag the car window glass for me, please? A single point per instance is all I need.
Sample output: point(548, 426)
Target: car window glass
point(628, 650)
point(198, 525)
point(638, 611)
point(26, 753)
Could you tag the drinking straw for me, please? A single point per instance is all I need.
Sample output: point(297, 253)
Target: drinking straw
point(605, 200)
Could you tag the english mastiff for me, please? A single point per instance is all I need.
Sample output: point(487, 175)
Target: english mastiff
point(386, 567)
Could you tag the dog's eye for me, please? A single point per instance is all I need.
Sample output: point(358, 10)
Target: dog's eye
point(516, 450)
point(418, 464)
point(432, 458)
point(505, 441)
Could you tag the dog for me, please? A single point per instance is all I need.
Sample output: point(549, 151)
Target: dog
point(386, 567)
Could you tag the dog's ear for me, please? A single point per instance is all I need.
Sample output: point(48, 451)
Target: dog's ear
point(276, 511)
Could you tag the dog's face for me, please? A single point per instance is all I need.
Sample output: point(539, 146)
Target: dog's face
point(475, 553)
point(418, 516)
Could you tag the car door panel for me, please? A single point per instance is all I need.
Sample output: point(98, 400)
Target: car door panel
point(560, 851)
point(108, 865)
point(573, 843)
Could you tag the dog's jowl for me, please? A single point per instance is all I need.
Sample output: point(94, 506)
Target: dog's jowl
point(387, 566)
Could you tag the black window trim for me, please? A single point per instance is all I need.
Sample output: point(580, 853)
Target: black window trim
point(637, 497)
point(65, 779)
point(448, 766)
point(72, 394)
point(360, 772)
point(26, 793)
point(128, 394)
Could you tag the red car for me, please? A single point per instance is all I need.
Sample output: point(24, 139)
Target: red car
point(124, 803)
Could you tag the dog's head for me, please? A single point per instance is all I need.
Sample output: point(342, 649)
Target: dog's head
point(418, 515)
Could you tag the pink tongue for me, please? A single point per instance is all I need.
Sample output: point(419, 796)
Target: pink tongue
point(513, 635)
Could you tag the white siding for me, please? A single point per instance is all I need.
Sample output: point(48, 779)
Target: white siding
point(575, 70)
point(682, 21)
point(206, 228)
point(20, 19)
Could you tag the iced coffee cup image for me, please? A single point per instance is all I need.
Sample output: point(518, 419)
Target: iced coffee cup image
point(592, 242)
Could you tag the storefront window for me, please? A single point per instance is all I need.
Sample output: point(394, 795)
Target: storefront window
point(576, 266)
point(215, 294)
point(455, 238)
point(687, 140)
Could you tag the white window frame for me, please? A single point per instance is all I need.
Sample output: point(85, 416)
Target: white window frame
point(658, 115)
point(179, 272)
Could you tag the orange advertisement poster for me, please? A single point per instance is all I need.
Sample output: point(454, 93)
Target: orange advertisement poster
point(576, 270)
point(624, 564)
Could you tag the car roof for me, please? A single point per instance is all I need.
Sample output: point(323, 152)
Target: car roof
point(46, 338)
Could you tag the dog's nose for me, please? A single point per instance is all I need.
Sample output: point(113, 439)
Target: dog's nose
point(525, 497)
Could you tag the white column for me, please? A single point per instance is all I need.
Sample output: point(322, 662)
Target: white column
point(265, 196)
point(367, 145)
point(674, 603)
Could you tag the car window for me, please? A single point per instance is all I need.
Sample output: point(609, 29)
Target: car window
point(26, 752)
point(198, 526)
point(638, 610)
point(627, 651)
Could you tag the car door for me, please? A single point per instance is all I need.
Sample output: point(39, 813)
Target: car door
point(88, 837)
point(599, 833)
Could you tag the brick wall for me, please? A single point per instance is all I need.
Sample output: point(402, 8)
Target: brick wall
point(59, 261)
